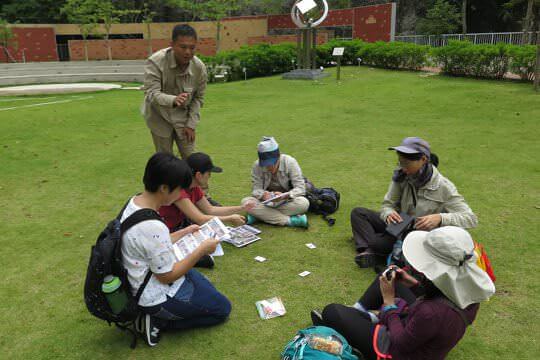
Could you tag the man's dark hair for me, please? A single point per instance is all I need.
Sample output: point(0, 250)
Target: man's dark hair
point(166, 169)
point(183, 30)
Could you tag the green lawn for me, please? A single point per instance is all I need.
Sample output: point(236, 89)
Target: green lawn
point(67, 168)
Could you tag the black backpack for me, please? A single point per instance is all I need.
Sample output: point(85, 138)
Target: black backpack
point(323, 201)
point(106, 259)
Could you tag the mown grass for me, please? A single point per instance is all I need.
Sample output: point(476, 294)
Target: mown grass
point(66, 169)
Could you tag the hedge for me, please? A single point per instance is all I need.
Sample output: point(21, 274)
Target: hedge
point(459, 58)
point(463, 58)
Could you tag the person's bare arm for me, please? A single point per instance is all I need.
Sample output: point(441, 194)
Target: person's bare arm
point(180, 268)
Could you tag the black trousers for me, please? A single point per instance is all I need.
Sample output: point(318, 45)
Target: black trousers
point(356, 326)
point(369, 232)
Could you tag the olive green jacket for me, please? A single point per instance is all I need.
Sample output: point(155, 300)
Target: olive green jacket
point(438, 196)
point(163, 81)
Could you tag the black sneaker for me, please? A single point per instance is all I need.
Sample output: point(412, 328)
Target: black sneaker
point(151, 331)
point(205, 261)
point(317, 319)
point(366, 260)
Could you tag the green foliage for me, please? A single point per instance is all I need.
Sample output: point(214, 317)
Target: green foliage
point(391, 55)
point(259, 60)
point(522, 60)
point(394, 55)
point(84, 14)
point(442, 18)
point(463, 58)
point(350, 55)
point(6, 34)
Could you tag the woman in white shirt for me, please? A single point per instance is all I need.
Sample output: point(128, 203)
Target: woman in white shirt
point(176, 296)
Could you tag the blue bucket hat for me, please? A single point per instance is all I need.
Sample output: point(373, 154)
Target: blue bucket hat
point(268, 151)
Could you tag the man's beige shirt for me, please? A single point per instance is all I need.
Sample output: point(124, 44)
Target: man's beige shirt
point(163, 81)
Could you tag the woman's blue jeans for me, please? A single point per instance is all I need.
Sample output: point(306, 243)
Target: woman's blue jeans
point(196, 303)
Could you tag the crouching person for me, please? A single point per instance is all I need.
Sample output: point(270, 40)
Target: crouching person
point(275, 174)
point(175, 296)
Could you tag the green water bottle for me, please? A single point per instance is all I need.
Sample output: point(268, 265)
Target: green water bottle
point(115, 295)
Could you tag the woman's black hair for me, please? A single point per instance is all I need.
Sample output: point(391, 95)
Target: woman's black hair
point(166, 169)
point(430, 290)
point(434, 159)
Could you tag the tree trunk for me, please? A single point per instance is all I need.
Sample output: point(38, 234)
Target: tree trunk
point(85, 49)
point(109, 52)
point(150, 50)
point(464, 17)
point(537, 70)
point(218, 35)
point(528, 23)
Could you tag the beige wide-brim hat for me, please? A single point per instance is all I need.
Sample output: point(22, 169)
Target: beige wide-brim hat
point(446, 257)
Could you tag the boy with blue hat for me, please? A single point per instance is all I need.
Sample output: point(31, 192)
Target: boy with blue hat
point(277, 175)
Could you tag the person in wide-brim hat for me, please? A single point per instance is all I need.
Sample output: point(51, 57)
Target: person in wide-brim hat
point(420, 317)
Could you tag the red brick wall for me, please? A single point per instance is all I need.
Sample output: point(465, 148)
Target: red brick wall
point(129, 49)
point(39, 44)
point(278, 39)
point(373, 23)
point(370, 23)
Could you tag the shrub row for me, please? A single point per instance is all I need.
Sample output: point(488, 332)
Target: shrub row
point(459, 58)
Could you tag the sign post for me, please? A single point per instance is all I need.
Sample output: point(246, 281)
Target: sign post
point(338, 52)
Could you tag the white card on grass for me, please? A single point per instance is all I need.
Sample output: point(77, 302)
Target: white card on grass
point(260, 259)
point(311, 245)
point(304, 273)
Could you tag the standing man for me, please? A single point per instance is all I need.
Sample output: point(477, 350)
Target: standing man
point(174, 84)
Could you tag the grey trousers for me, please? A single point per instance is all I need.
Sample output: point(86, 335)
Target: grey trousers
point(279, 215)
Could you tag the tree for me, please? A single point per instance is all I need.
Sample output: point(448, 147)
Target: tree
point(464, 17)
point(32, 11)
point(214, 10)
point(537, 70)
point(147, 18)
point(84, 14)
point(442, 18)
point(7, 39)
point(528, 20)
point(107, 14)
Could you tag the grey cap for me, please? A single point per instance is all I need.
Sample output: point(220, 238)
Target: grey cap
point(413, 145)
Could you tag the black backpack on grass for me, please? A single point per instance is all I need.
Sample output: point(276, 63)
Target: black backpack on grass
point(106, 259)
point(323, 201)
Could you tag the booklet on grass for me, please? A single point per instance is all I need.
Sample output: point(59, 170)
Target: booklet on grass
point(242, 235)
point(270, 308)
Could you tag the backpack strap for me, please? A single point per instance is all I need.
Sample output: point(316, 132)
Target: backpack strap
point(132, 220)
point(137, 217)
